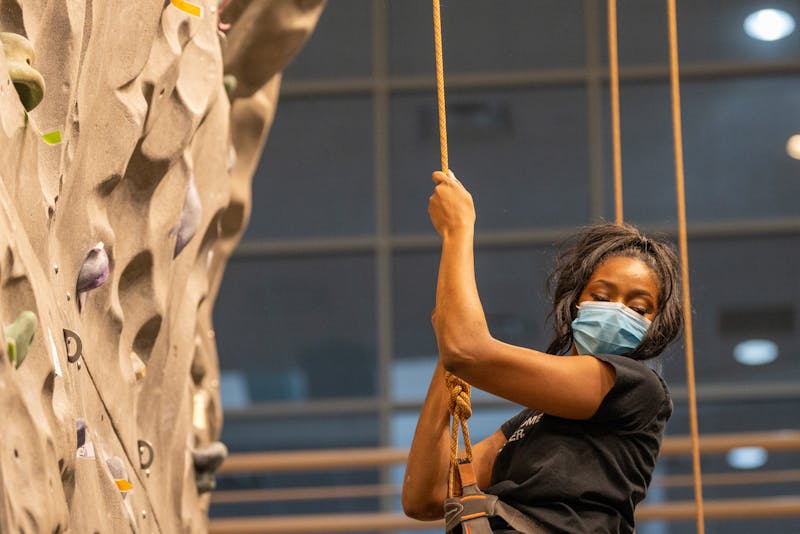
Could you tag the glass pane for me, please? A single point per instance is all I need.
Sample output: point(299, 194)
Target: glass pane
point(244, 433)
point(732, 417)
point(481, 36)
point(708, 30)
point(744, 288)
point(341, 45)
point(299, 328)
point(247, 433)
point(312, 179)
point(282, 484)
point(511, 284)
point(521, 153)
point(735, 133)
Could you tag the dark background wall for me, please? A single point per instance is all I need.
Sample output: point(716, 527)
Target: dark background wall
point(323, 322)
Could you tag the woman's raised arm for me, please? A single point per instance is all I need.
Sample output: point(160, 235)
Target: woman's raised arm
point(566, 386)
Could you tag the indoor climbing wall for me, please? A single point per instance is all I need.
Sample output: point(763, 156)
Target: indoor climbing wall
point(129, 134)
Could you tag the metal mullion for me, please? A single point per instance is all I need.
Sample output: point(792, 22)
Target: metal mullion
point(539, 77)
point(594, 109)
point(383, 251)
point(722, 392)
point(725, 228)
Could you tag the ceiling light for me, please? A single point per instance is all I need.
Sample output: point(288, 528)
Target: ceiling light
point(756, 352)
point(769, 24)
point(793, 146)
point(747, 457)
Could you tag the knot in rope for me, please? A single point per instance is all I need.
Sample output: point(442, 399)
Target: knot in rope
point(460, 405)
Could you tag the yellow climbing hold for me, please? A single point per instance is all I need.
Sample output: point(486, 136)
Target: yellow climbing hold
point(188, 7)
point(124, 485)
point(52, 138)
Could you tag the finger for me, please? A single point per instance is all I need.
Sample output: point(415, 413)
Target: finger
point(453, 178)
point(439, 177)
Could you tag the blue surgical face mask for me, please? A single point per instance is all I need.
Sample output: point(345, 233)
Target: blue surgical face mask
point(607, 328)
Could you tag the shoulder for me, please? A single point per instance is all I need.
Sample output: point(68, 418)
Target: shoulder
point(638, 395)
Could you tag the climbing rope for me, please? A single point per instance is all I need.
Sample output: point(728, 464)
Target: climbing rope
point(681, 195)
point(613, 66)
point(459, 407)
point(684, 250)
point(460, 410)
point(437, 41)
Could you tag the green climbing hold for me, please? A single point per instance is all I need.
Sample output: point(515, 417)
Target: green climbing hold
point(52, 138)
point(19, 336)
point(231, 83)
point(27, 80)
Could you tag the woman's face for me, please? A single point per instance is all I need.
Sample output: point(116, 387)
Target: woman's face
point(625, 280)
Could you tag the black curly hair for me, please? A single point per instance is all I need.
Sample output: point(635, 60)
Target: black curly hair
point(580, 257)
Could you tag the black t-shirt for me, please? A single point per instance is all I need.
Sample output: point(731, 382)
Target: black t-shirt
point(586, 476)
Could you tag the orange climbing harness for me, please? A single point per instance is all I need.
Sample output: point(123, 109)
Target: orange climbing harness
point(472, 509)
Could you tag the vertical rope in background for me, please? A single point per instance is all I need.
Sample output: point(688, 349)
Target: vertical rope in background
point(684, 250)
point(613, 65)
point(437, 39)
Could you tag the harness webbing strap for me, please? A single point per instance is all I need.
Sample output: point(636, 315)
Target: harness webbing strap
point(472, 510)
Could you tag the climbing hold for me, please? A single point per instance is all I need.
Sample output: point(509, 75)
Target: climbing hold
point(191, 215)
point(199, 417)
point(211, 457)
point(188, 7)
point(75, 356)
point(139, 367)
point(54, 353)
point(231, 163)
point(206, 462)
point(145, 451)
point(230, 82)
point(27, 80)
point(52, 138)
point(94, 271)
point(205, 482)
point(117, 468)
point(118, 472)
point(85, 447)
point(19, 336)
point(80, 426)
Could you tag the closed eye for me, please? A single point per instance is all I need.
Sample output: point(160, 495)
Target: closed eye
point(600, 298)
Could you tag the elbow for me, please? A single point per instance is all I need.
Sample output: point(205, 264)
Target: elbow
point(458, 356)
point(453, 360)
point(423, 498)
point(422, 510)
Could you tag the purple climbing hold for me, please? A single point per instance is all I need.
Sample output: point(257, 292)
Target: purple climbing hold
point(80, 426)
point(93, 273)
point(191, 215)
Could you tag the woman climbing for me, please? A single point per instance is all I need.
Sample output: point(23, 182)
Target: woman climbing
point(581, 454)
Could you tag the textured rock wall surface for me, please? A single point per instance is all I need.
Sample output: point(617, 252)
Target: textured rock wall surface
point(150, 183)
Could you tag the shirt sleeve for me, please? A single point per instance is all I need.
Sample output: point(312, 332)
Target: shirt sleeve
point(510, 426)
point(637, 396)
